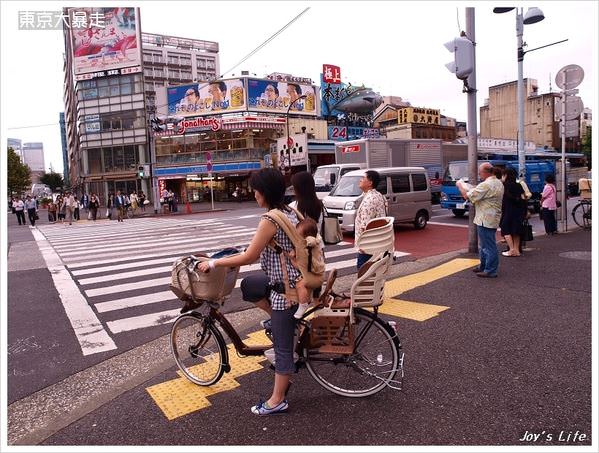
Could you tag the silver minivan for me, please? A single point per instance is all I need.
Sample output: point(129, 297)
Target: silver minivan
point(406, 189)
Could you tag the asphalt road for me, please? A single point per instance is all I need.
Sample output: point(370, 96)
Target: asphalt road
point(509, 356)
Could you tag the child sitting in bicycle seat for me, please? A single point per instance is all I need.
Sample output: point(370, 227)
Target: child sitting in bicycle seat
point(308, 229)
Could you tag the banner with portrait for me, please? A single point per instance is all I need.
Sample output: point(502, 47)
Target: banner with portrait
point(219, 96)
point(276, 97)
point(107, 38)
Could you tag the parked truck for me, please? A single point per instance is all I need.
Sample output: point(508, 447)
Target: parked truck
point(536, 170)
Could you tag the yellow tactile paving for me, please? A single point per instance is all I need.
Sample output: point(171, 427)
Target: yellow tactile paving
point(415, 310)
point(179, 397)
point(411, 310)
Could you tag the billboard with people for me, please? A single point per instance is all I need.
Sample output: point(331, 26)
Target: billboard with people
point(218, 96)
point(276, 97)
point(105, 39)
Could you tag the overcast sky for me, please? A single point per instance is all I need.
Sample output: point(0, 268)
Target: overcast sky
point(394, 47)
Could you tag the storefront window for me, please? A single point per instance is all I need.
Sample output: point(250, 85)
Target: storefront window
point(94, 159)
point(108, 160)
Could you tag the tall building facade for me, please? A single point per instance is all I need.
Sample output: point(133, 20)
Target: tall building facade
point(33, 156)
point(109, 94)
point(17, 146)
point(499, 116)
point(65, 150)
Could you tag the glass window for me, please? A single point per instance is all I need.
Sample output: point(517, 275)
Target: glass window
point(114, 90)
point(104, 92)
point(119, 158)
point(90, 94)
point(419, 182)
point(130, 157)
point(382, 186)
point(94, 158)
point(126, 88)
point(400, 183)
point(108, 160)
point(102, 82)
point(114, 81)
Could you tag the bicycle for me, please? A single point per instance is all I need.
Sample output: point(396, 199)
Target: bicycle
point(581, 213)
point(130, 212)
point(347, 349)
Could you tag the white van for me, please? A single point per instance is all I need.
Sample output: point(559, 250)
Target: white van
point(327, 176)
point(406, 189)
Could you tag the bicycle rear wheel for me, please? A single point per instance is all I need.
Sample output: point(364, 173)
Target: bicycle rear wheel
point(199, 349)
point(376, 360)
point(129, 213)
point(582, 214)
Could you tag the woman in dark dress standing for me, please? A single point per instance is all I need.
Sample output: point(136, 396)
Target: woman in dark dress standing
point(512, 213)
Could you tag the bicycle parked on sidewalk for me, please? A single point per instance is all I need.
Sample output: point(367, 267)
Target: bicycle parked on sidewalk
point(581, 213)
point(347, 349)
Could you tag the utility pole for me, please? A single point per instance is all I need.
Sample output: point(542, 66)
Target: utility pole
point(472, 131)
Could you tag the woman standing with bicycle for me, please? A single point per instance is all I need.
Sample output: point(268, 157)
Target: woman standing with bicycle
point(267, 290)
point(549, 205)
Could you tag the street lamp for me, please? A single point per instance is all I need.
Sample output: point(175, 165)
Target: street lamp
point(532, 16)
point(303, 96)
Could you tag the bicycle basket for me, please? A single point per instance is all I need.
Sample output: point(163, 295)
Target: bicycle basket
point(332, 334)
point(187, 282)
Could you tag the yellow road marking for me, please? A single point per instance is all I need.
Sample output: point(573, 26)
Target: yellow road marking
point(179, 396)
point(415, 310)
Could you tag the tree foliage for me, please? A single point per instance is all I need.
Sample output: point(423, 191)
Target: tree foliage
point(52, 180)
point(19, 174)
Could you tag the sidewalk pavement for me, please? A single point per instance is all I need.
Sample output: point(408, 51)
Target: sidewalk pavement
point(515, 339)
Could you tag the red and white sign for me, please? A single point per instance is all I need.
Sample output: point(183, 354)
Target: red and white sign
point(350, 149)
point(331, 74)
point(200, 123)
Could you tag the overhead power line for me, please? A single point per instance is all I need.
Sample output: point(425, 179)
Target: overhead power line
point(244, 59)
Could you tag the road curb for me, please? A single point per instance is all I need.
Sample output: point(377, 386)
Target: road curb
point(36, 417)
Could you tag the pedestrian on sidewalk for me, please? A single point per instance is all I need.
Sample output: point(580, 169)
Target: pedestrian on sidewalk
point(19, 207)
point(513, 211)
point(52, 208)
point(486, 198)
point(94, 204)
point(85, 201)
point(372, 206)
point(62, 209)
point(142, 201)
point(119, 203)
point(76, 209)
point(109, 206)
point(549, 205)
point(31, 207)
point(70, 204)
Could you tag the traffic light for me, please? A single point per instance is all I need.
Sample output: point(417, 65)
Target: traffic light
point(140, 171)
point(463, 63)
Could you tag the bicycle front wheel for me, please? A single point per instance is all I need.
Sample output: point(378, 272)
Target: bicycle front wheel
point(582, 215)
point(376, 360)
point(129, 213)
point(199, 349)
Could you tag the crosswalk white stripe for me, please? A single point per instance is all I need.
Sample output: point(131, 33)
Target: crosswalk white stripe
point(90, 334)
point(196, 243)
point(175, 250)
point(105, 231)
point(136, 301)
point(448, 224)
point(98, 270)
point(132, 233)
point(163, 269)
point(124, 275)
point(141, 241)
point(127, 287)
point(139, 322)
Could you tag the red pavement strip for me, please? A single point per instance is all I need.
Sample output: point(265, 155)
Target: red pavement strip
point(432, 240)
